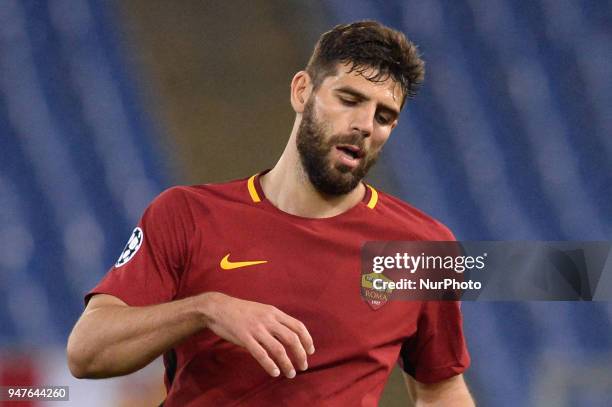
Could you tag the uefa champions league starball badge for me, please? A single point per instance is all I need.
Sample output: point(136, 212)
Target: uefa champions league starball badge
point(131, 247)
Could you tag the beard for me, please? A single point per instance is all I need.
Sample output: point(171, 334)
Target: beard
point(315, 155)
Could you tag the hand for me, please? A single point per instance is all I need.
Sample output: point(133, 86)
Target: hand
point(264, 330)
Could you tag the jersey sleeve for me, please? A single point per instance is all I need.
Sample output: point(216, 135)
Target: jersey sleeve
point(150, 266)
point(437, 351)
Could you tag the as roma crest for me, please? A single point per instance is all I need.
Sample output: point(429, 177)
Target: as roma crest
point(375, 298)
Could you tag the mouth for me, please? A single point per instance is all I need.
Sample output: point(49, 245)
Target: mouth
point(350, 155)
point(351, 151)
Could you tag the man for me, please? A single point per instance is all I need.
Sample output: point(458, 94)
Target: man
point(237, 283)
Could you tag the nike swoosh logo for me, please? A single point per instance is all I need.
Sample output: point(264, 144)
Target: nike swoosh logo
point(226, 264)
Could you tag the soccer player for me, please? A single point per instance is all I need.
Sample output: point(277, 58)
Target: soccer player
point(236, 284)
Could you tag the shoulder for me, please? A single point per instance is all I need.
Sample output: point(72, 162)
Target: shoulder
point(235, 189)
point(186, 197)
point(402, 215)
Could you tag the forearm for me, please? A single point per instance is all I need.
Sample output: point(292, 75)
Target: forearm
point(116, 340)
point(113, 339)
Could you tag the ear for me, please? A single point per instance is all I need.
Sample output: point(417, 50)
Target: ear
point(301, 88)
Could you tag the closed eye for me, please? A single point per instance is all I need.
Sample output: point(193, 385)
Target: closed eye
point(383, 119)
point(348, 102)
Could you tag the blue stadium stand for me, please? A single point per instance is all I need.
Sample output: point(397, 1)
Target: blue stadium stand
point(77, 162)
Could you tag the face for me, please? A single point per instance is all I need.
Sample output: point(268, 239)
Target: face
point(344, 126)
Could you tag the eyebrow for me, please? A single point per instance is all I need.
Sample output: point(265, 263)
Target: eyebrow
point(355, 93)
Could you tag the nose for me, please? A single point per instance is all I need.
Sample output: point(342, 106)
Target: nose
point(362, 120)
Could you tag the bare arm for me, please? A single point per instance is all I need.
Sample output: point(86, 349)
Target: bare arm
point(112, 338)
point(451, 392)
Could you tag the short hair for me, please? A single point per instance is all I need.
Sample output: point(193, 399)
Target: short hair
point(366, 46)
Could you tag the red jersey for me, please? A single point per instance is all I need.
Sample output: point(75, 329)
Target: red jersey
point(308, 268)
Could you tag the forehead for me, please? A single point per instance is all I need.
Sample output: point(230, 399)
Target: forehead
point(387, 91)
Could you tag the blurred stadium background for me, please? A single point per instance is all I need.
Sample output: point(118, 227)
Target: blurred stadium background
point(103, 104)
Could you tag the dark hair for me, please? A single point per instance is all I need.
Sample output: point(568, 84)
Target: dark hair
point(366, 45)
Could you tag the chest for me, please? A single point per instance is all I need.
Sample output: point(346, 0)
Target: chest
point(310, 271)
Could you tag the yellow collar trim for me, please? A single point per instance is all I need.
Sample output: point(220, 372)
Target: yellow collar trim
point(255, 196)
point(252, 190)
point(373, 198)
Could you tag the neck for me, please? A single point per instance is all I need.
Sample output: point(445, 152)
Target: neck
point(288, 188)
